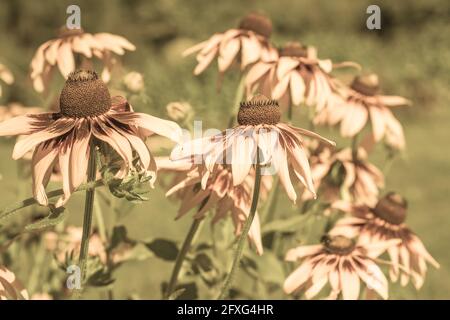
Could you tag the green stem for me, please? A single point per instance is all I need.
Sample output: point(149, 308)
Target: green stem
point(243, 236)
point(11, 209)
point(88, 209)
point(181, 256)
point(100, 221)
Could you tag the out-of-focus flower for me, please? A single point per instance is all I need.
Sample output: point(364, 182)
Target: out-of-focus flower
point(41, 296)
point(338, 173)
point(296, 76)
point(280, 146)
point(15, 109)
point(87, 114)
point(179, 111)
point(70, 241)
point(386, 221)
point(341, 262)
point(134, 81)
point(223, 196)
point(6, 76)
point(70, 42)
point(359, 103)
point(248, 43)
point(10, 286)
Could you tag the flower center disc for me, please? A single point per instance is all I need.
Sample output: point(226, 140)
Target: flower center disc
point(66, 32)
point(84, 95)
point(257, 23)
point(367, 85)
point(259, 110)
point(339, 245)
point(392, 208)
point(294, 49)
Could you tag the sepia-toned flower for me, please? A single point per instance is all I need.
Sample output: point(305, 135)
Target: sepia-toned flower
point(361, 103)
point(220, 194)
point(247, 44)
point(296, 76)
point(280, 147)
point(340, 262)
point(71, 43)
point(87, 115)
point(386, 221)
point(338, 173)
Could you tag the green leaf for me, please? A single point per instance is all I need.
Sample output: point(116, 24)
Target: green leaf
point(56, 216)
point(164, 249)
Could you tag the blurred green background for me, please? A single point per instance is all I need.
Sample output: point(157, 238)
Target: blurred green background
point(410, 53)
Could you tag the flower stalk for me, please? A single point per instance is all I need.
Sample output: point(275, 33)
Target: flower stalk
point(181, 256)
point(88, 210)
point(242, 238)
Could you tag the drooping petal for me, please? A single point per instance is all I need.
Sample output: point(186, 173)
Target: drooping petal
point(165, 128)
point(227, 53)
point(251, 50)
point(285, 65)
point(79, 157)
point(243, 153)
point(393, 101)
point(43, 158)
point(302, 251)
point(26, 124)
point(349, 281)
point(51, 54)
point(297, 88)
point(57, 128)
point(298, 277)
point(65, 59)
point(354, 121)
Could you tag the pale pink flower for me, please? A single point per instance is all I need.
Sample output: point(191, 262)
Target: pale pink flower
point(220, 194)
point(247, 44)
point(87, 115)
point(280, 147)
point(6, 76)
point(386, 221)
point(70, 242)
point(295, 76)
point(339, 174)
point(134, 81)
point(10, 287)
point(340, 262)
point(70, 43)
point(361, 103)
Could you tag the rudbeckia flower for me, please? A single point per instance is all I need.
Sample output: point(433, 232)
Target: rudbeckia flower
point(70, 43)
point(386, 221)
point(340, 262)
point(280, 147)
point(87, 115)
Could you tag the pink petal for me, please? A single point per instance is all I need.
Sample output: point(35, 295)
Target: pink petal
point(55, 129)
point(227, 53)
point(285, 65)
point(354, 121)
point(251, 50)
point(65, 59)
point(43, 158)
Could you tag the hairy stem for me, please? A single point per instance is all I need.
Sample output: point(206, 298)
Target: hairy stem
point(181, 256)
point(88, 210)
point(243, 237)
point(13, 208)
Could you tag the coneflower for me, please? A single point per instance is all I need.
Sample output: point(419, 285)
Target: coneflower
point(71, 44)
point(386, 221)
point(361, 103)
point(87, 117)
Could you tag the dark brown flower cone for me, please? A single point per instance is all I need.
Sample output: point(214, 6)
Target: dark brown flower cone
point(259, 110)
